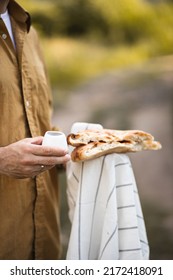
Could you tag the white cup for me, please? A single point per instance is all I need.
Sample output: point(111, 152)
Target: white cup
point(55, 139)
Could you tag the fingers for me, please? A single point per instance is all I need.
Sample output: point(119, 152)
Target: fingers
point(42, 168)
point(32, 153)
point(35, 140)
point(44, 155)
point(48, 151)
point(34, 147)
point(24, 158)
point(37, 149)
point(51, 161)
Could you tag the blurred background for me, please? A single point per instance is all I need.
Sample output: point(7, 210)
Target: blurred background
point(111, 62)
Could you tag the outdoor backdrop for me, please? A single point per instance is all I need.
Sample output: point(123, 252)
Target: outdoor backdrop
point(111, 62)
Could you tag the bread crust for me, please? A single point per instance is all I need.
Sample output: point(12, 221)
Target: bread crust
point(91, 144)
point(107, 135)
point(97, 149)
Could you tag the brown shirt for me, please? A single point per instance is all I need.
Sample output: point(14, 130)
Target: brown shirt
point(29, 215)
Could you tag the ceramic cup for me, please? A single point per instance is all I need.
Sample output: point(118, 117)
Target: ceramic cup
point(55, 139)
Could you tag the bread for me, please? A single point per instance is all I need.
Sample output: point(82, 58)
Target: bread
point(91, 144)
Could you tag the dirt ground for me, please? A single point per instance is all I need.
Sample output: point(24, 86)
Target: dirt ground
point(136, 98)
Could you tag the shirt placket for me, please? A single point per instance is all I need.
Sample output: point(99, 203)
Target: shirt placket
point(26, 84)
point(6, 39)
point(20, 35)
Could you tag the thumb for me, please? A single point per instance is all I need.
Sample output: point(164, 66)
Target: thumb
point(37, 140)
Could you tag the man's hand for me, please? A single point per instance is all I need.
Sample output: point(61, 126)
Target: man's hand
point(28, 158)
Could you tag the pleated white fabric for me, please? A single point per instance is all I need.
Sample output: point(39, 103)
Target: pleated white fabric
point(104, 209)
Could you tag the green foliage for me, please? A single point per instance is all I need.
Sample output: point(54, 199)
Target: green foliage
point(111, 22)
point(83, 38)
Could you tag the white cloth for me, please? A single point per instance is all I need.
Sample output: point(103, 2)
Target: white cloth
point(105, 210)
point(6, 19)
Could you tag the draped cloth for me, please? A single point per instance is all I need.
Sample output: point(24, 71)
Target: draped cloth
point(104, 209)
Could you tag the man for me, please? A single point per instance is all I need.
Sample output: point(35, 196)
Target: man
point(29, 215)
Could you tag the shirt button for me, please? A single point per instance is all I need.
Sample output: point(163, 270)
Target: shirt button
point(27, 103)
point(4, 36)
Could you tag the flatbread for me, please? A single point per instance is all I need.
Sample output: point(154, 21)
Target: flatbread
point(91, 144)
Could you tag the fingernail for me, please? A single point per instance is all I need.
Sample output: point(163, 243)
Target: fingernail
point(68, 156)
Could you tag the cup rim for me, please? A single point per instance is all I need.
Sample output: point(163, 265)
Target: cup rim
point(54, 133)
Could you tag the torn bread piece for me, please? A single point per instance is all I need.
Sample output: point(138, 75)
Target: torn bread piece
point(91, 144)
point(108, 136)
point(97, 149)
